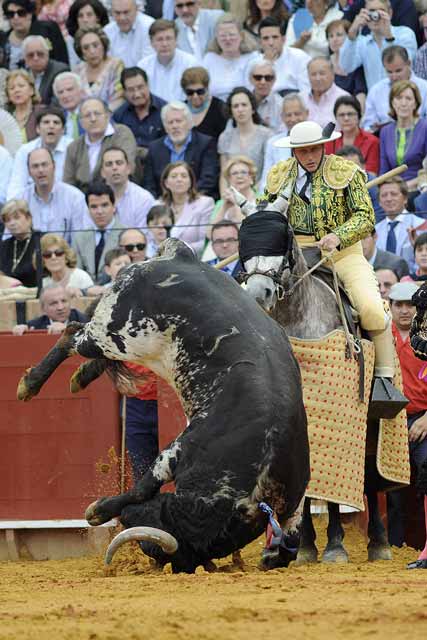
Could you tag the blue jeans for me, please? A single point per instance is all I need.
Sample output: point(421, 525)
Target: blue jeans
point(396, 513)
point(142, 440)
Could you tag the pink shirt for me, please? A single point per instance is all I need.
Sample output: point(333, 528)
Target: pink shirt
point(322, 112)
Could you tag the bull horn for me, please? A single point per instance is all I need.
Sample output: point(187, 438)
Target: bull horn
point(167, 542)
point(248, 208)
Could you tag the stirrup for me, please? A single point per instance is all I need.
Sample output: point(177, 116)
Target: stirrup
point(386, 400)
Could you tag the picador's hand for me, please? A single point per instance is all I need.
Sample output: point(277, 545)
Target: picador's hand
point(329, 242)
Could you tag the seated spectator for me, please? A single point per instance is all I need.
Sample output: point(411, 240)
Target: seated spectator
point(23, 102)
point(23, 23)
point(354, 83)
point(83, 13)
point(228, 57)
point(134, 242)
point(128, 32)
point(420, 259)
point(397, 66)
point(196, 27)
point(386, 279)
point(380, 259)
point(290, 64)
point(355, 155)
point(132, 201)
point(348, 114)
point(414, 387)
point(225, 243)
point(159, 222)
point(55, 11)
point(181, 143)
point(115, 260)
point(209, 114)
point(16, 253)
point(83, 159)
point(99, 72)
point(67, 88)
point(247, 134)
point(258, 10)
point(50, 129)
point(365, 50)
point(57, 312)
point(6, 166)
point(165, 67)
point(313, 40)
point(404, 140)
point(141, 109)
point(320, 100)
point(59, 266)
point(55, 205)
point(293, 111)
point(262, 77)
point(91, 245)
point(43, 70)
point(190, 209)
point(393, 230)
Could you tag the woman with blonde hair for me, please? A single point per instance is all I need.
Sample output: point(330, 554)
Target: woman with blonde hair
point(59, 264)
point(23, 102)
point(228, 57)
point(16, 252)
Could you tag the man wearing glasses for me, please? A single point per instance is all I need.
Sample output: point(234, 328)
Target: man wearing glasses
point(43, 70)
point(196, 26)
point(23, 22)
point(269, 104)
point(134, 242)
point(225, 242)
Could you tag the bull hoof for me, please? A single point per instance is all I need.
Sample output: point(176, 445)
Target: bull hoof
point(307, 555)
point(276, 558)
point(23, 391)
point(75, 381)
point(379, 551)
point(335, 554)
point(94, 518)
point(210, 567)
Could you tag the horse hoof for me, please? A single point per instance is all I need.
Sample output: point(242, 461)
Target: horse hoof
point(336, 554)
point(307, 555)
point(379, 552)
point(94, 518)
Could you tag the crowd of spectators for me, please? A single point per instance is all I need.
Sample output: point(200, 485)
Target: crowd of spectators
point(123, 122)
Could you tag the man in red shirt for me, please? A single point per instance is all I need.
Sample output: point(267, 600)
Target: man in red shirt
point(415, 389)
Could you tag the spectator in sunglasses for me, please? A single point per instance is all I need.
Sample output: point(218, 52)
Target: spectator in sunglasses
point(209, 114)
point(196, 26)
point(269, 104)
point(23, 22)
point(59, 266)
point(134, 242)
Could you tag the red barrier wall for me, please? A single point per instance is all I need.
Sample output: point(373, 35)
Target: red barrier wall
point(54, 454)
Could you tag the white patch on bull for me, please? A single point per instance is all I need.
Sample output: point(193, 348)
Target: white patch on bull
point(161, 469)
point(234, 332)
point(170, 281)
point(292, 525)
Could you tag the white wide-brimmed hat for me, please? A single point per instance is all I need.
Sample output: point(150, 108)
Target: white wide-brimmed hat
point(307, 134)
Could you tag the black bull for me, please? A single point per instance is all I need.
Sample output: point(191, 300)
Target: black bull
point(239, 384)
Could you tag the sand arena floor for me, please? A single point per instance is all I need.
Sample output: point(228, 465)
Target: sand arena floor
point(77, 599)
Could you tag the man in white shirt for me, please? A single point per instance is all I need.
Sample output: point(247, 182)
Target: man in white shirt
point(262, 76)
point(54, 205)
point(324, 92)
point(289, 63)
point(67, 88)
point(50, 127)
point(196, 26)
point(392, 232)
point(128, 34)
point(132, 202)
point(165, 67)
point(397, 65)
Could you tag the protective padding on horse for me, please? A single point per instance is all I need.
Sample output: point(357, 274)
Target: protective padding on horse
point(337, 422)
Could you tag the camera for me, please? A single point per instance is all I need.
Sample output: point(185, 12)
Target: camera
point(374, 16)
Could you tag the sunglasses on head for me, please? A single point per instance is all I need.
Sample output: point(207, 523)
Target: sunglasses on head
point(198, 92)
point(267, 77)
point(17, 12)
point(57, 253)
point(139, 246)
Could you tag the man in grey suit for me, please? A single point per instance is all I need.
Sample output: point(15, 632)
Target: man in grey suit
point(42, 68)
point(380, 259)
point(196, 26)
point(83, 159)
point(103, 233)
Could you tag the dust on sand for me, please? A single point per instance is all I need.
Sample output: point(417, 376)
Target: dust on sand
point(79, 600)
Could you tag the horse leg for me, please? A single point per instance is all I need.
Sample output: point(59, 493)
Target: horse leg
point(307, 550)
point(378, 546)
point(334, 550)
point(87, 373)
point(34, 378)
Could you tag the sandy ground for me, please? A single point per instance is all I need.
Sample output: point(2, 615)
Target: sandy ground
point(79, 599)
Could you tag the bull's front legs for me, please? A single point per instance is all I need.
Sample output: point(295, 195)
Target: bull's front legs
point(33, 380)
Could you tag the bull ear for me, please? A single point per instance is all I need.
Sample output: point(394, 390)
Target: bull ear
point(174, 248)
point(248, 208)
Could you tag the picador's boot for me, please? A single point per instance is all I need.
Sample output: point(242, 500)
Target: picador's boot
point(386, 400)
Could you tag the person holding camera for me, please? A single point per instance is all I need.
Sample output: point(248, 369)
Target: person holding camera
point(366, 50)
